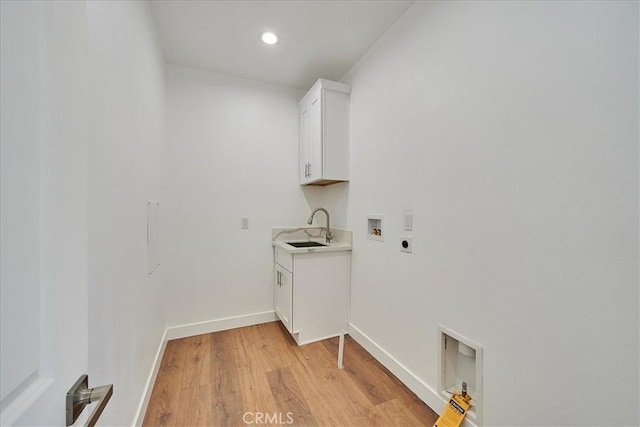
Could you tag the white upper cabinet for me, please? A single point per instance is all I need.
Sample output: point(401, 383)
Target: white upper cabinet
point(324, 134)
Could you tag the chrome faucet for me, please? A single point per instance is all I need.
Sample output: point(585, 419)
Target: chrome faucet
point(326, 212)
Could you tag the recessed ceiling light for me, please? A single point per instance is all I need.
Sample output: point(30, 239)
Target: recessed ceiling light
point(269, 37)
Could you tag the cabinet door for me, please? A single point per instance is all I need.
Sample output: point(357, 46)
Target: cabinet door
point(283, 303)
point(277, 294)
point(305, 142)
point(315, 118)
point(286, 308)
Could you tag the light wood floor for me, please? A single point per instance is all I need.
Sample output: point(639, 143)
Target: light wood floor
point(258, 376)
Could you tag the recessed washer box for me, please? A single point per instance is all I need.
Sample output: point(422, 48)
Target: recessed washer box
point(375, 227)
point(460, 361)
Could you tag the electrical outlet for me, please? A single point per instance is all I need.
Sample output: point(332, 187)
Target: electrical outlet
point(244, 223)
point(406, 244)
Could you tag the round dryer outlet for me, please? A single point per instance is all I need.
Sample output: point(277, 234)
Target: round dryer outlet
point(405, 244)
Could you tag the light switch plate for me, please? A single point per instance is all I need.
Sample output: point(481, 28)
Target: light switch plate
point(408, 220)
point(244, 223)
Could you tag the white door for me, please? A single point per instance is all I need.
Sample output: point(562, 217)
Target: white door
point(43, 339)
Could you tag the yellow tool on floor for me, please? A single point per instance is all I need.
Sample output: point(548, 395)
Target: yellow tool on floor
point(455, 410)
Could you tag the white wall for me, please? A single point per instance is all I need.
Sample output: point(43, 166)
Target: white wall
point(511, 130)
point(126, 168)
point(232, 153)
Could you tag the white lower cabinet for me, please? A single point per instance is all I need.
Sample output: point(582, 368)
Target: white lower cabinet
point(312, 293)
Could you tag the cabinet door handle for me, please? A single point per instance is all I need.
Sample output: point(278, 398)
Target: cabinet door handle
point(278, 281)
point(309, 169)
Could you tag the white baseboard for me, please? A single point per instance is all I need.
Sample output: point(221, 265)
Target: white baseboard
point(408, 378)
point(193, 329)
point(148, 387)
point(189, 330)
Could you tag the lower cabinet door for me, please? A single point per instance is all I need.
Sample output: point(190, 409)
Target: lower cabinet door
point(277, 291)
point(283, 303)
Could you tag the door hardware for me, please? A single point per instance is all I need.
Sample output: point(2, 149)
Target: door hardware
point(80, 395)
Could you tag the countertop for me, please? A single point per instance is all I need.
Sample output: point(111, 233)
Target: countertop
point(280, 237)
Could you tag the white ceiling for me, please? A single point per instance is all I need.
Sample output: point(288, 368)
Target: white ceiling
point(319, 38)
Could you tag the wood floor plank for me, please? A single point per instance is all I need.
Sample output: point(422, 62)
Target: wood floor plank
point(270, 340)
point(323, 405)
point(288, 397)
point(367, 375)
point(315, 372)
point(258, 374)
point(165, 400)
point(195, 406)
point(197, 369)
point(413, 404)
point(174, 356)
point(256, 392)
point(227, 402)
point(395, 411)
point(338, 388)
point(165, 397)
point(390, 382)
